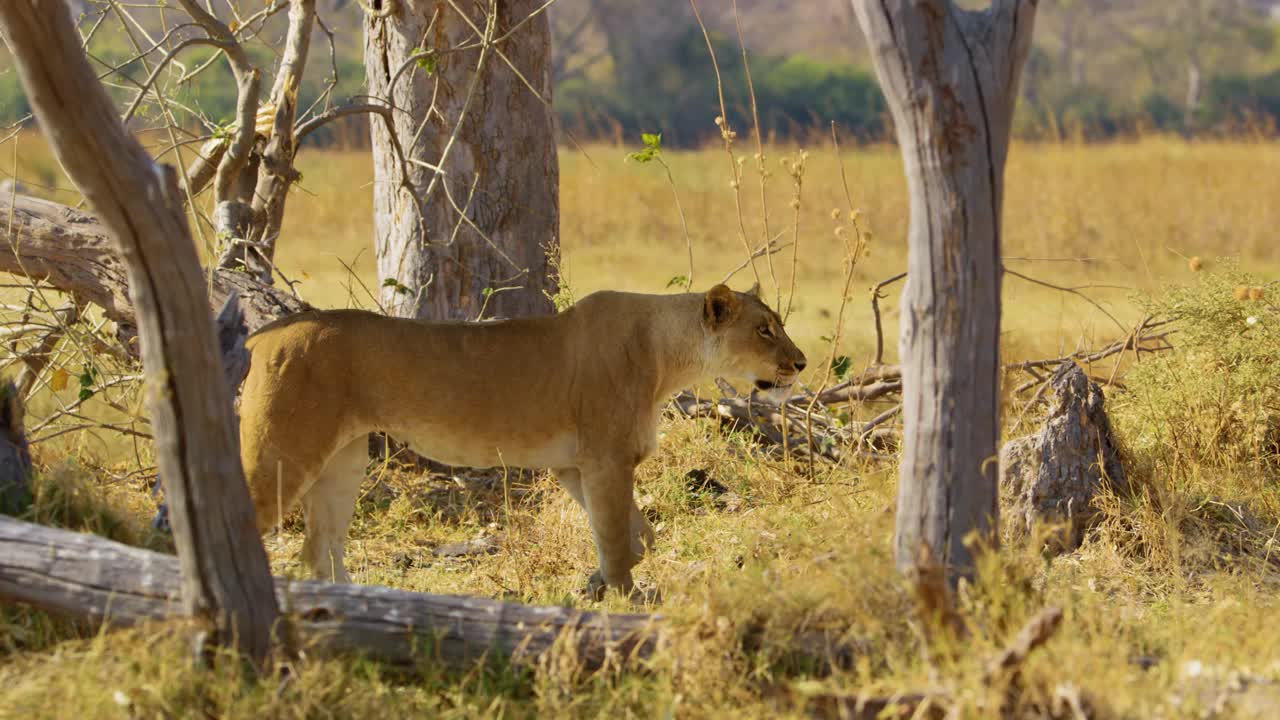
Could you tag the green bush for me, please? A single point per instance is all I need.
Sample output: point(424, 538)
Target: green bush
point(681, 98)
point(1231, 98)
point(13, 102)
point(1215, 398)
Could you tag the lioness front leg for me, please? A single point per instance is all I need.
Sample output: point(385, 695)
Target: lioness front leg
point(641, 533)
point(611, 510)
point(642, 537)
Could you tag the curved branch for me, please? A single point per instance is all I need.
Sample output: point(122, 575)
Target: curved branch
point(315, 123)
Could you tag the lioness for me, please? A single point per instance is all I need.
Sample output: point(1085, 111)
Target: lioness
point(579, 392)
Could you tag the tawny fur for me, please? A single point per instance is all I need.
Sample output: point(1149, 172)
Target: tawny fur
point(579, 392)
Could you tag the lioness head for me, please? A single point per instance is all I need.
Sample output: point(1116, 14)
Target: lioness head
point(752, 345)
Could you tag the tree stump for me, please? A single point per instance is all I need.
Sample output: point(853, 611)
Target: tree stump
point(1052, 476)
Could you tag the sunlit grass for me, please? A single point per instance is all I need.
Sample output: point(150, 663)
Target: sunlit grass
point(1178, 577)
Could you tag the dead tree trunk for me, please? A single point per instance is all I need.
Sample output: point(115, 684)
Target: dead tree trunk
point(1053, 475)
point(1191, 106)
point(224, 567)
point(950, 77)
point(473, 238)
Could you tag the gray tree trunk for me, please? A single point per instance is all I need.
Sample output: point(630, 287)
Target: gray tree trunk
point(1191, 107)
point(477, 235)
point(951, 78)
point(225, 577)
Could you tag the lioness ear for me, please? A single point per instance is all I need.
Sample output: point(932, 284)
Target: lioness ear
point(720, 306)
point(755, 289)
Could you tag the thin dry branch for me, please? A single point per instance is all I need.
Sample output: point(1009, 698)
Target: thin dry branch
point(876, 296)
point(35, 360)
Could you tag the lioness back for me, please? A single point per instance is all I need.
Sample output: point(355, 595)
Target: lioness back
point(464, 394)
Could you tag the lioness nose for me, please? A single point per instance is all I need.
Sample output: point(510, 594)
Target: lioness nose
point(800, 365)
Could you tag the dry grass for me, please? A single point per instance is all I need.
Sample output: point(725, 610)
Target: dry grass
point(1178, 576)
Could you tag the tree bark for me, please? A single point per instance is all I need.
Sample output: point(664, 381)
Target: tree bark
point(104, 581)
point(477, 235)
point(225, 577)
point(950, 77)
point(73, 252)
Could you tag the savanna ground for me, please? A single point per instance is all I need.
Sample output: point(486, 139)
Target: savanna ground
point(1169, 605)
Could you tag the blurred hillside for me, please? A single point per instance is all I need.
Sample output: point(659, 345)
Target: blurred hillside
point(1098, 68)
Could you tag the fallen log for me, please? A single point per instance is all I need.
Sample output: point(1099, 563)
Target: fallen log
point(810, 432)
point(873, 383)
point(91, 578)
point(71, 250)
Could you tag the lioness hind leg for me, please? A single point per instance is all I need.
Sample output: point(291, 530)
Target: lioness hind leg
point(274, 484)
point(328, 507)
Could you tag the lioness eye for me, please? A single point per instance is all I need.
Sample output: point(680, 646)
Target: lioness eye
point(765, 331)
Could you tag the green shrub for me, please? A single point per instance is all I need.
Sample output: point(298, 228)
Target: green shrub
point(680, 97)
point(1215, 398)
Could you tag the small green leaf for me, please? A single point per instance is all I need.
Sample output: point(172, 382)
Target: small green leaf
point(486, 292)
point(394, 283)
point(642, 156)
point(652, 148)
point(85, 394)
point(678, 280)
point(840, 365)
point(428, 63)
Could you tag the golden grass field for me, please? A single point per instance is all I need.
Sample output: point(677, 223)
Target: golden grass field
point(1179, 573)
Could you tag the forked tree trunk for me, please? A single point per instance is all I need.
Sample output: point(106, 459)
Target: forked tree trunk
point(225, 576)
point(950, 77)
point(482, 229)
point(275, 171)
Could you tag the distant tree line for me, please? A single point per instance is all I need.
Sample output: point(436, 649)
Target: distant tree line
point(1099, 69)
